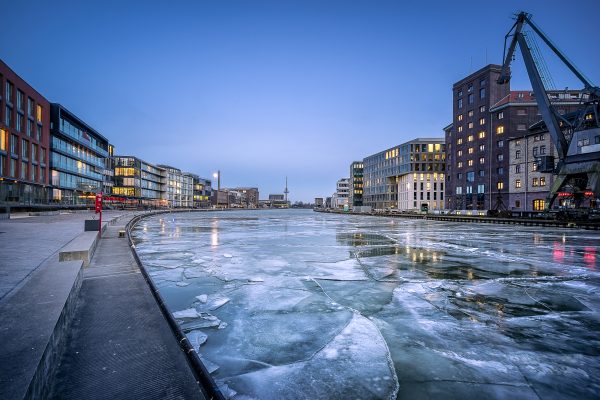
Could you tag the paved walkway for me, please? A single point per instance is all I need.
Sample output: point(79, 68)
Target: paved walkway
point(25, 243)
point(119, 345)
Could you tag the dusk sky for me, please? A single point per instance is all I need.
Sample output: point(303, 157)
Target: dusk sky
point(265, 89)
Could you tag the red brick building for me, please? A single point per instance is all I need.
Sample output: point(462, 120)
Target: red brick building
point(24, 141)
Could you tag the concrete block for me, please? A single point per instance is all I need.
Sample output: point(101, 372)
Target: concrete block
point(80, 248)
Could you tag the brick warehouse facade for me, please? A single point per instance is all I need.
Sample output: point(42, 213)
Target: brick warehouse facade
point(486, 116)
point(24, 141)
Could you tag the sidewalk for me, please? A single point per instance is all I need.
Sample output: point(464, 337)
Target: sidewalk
point(119, 345)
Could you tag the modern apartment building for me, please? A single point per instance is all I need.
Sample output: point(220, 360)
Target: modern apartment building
point(24, 141)
point(385, 171)
point(202, 192)
point(139, 182)
point(78, 156)
point(341, 197)
point(250, 196)
point(486, 116)
point(356, 184)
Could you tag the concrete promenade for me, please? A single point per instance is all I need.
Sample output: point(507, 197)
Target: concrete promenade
point(69, 331)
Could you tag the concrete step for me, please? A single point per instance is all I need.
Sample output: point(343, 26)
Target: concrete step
point(33, 324)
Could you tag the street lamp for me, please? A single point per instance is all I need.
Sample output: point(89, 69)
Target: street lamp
point(217, 176)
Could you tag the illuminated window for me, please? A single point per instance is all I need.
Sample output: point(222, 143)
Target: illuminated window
point(471, 150)
point(460, 164)
point(500, 185)
point(535, 182)
point(481, 160)
point(470, 125)
point(470, 113)
point(482, 147)
point(500, 130)
point(460, 129)
point(481, 135)
point(460, 117)
point(534, 167)
point(470, 163)
point(39, 113)
point(518, 183)
point(539, 205)
point(459, 153)
point(482, 109)
point(459, 141)
point(500, 115)
point(3, 140)
point(470, 138)
point(481, 121)
point(542, 181)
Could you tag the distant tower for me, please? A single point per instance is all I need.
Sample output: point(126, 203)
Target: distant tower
point(286, 191)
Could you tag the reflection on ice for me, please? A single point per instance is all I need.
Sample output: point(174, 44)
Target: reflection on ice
point(296, 304)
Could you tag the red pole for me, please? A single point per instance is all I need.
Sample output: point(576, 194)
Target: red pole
point(99, 209)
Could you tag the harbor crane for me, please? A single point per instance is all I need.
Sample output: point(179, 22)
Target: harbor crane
point(576, 135)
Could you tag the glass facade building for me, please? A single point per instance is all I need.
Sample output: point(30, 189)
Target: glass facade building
point(356, 184)
point(77, 160)
point(382, 171)
point(139, 182)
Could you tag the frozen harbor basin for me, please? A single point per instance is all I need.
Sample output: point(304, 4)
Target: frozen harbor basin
point(294, 304)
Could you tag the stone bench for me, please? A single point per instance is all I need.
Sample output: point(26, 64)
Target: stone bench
point(82, 247)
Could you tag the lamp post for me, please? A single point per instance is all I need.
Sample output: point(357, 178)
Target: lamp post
point(217, 176)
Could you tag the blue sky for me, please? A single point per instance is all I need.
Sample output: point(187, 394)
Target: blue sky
point(265, 89)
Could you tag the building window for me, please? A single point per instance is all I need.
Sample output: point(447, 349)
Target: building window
point(20, 100)
point(39, 113)
point(470, 163)
point(500, 143)
point(459, 141)
point(482, 82)
point(521, 111)
point(469, 189)
point(539, 205)
point(470, 125)
point(521, 127)
point(460, 164)
point(500, 130)
point(14, 142)
point(535, 182)
point(459, 93)
point(481, 121)
point(501, 115)
point(535, 151)
point(481, 160)
point(33, 152)
point(23, 170)
point(13, 167)
point(9, 91)
point(482, 93)
point(518, 169)
point(8, 116)
point(459, 190)
point(518, 183)
point(534, 166)
point(470, 138)
point(24, 148)
point(517, 203)
point(543, 181)
point(500, 185)
point(470, 113)
point(500, 157)
point(470, 87)
point(481, 172)
point(459, 153)
point(29, 128)
point(481, 135)
point(459, 103)
point(470, 98)
point(500, 171)
point(482, 109)
point(470, 151)
point(518, 154)
point(482, 147)
point(19, 121)
point(460, 117)
point(542, 149)
point(3, 140)
point(30, 107)
point(480, 188)
point(470, 176)
point(39, 133)
point(460, 129)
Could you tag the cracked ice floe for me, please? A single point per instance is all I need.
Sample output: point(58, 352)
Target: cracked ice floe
point(202, 298)
point(209, 365)
point(187, 313)
point(197, 338)
point(361, 357)
point(212, 303)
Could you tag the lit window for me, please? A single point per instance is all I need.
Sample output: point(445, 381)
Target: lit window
point(470, 88)
point(500, 115)
point(500, 130)
point(481, 135)
point(470, 138)
point(470, 163)
point(470, 125)
point(460, 117)
point(459, 141)
point(459, 153)
point(460, 129)
point(3, 140)
point(500, 185)
point(39, 113)
point(539, 205)
point(482, 109)
point(535, 182)
point(482, 147)
point(482, 93)
point(518, 183)
point(481, 160)
point(542, 181)
point(470, 150)
point(460, 164)
point(481, 121)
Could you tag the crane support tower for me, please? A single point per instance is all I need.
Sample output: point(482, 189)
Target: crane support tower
point(575, 135)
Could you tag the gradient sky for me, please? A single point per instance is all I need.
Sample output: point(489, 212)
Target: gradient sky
point(265, 89)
